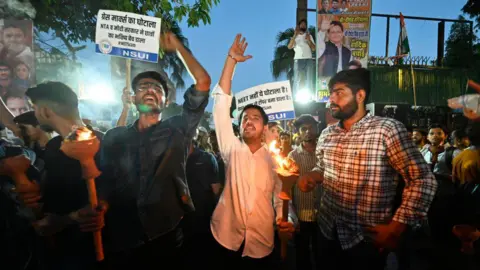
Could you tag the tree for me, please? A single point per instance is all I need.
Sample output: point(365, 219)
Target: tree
point(472, 8)
point(457, 47)
point(282, 63)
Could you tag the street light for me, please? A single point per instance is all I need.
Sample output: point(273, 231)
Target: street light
point(303, 96)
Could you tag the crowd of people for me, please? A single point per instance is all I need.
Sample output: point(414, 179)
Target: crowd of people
point(173, 195)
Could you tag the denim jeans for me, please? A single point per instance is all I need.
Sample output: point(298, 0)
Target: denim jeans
point(303, 74)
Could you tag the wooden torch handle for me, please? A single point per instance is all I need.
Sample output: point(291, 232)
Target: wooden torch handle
point(97, 236)
point(284, 242)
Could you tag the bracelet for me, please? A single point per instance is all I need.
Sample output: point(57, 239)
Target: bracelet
point(231, 56)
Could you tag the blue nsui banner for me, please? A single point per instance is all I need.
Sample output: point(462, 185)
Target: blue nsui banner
point(128, 35)
point(275, 98)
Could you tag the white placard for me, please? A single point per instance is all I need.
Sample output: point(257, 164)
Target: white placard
point(128, 35)
point(275, 98)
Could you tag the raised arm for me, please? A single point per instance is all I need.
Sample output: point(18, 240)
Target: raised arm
point(196, 97)
point(223, 99)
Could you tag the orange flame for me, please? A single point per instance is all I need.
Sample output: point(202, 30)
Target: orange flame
point(286, 165)
point(84, 134)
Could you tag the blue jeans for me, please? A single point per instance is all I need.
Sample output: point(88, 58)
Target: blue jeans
point(303, 74)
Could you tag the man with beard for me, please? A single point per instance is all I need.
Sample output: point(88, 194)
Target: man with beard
point(436, 137)
point(144, 170)
point(243, 221)
point(419, 138)
point(305, 203)
point(303, 45)
point(359, 161)
point(64, 194)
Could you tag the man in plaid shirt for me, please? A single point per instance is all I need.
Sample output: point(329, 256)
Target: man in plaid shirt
point(359, 163)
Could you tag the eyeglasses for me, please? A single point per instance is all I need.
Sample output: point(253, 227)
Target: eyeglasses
point(158, 88)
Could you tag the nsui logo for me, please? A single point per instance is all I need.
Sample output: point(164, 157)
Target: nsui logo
point(277, 116)
point(136, 55)
point(105, 47)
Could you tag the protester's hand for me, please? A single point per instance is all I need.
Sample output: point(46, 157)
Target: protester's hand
point(29, 194)
point(126, 98)
point(297, 31)
point(50, 225)
point(308, 37)
point(238, 48)
point(386, 236)
point(285, 229)
point(169, 42)
point(89, 219)
point(306, 182)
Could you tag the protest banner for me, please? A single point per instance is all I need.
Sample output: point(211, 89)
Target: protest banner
point(127, 35)
point(17, 63)
point(341, 24)
point(275, 98)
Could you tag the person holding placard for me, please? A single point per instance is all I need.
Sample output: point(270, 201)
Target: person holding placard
point(143, 167)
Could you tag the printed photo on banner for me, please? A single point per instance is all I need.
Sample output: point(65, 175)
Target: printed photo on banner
point(275, 98)
point(17, 63)
point(343, 34)
point(128, 35)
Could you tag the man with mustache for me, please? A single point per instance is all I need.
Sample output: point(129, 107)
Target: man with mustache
point(243, 221)
point(305, 203)
point(144, 170)
point(303, 45)
point(359, 161)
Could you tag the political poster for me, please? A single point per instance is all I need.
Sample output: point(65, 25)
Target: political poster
point(127, 35)
point(343, 35)
point(275, 98)
point(17, 63)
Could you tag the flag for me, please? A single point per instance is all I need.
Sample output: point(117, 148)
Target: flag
point(403, 48)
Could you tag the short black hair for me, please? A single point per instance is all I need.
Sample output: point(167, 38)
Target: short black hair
point(421, 131)
point(355, 63)
point(4, 64)
point(52, 91)
point(302, 20)
point(337, 23)
point(151, 75)
point(256, 107)
point(335, 1)
point(436, 125)
point(304, 119)
point(27, 118)
point(355, 79)
point(14, 25)
point(473, 133)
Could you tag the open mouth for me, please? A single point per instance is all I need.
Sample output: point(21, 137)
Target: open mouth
point(149, 99)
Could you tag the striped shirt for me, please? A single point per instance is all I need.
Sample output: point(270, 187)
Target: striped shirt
point(360, 169)
point(305, 202)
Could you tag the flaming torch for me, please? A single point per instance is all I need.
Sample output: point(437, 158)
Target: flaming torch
point(82, 145)
point(286, 167)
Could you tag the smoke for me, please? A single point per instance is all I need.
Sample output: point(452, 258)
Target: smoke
point(16, 9)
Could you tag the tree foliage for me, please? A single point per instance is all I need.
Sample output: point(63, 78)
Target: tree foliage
point(458, 48)
point(75, 20)
point(472, 8)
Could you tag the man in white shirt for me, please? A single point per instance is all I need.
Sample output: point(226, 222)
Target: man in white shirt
point(243, 221)
point(303, 45)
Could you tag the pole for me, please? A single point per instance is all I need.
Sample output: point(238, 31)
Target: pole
point(128, 73)
point(413, 81)
point(387, 41)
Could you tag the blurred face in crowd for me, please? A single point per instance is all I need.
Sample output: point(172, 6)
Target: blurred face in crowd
point(285, 141)
point(335, 34)
point(417, 137)
point(343, 103)
point(307, 133)
point(16, 105)
point(149, 93)
point(436, 136)
point(252, 126)
point(30, 133)
point(22, 72)
point(325, 4)
point(14, 39)
point(202, 137)
point(213, 142)
point(272, 134)
point(5, 73)
point(303, 27)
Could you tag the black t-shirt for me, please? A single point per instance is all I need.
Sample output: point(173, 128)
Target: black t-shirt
point(65, 191)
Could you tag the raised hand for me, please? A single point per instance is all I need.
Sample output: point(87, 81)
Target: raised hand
point(169, 42)
point(238, 48)
point(126, 98)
